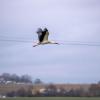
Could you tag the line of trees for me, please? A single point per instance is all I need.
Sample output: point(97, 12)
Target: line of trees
point(22, 92)
point(6, 77)
point(52, 90)
point(49, 90)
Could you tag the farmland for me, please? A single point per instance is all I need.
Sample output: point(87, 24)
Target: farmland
point(53, 98)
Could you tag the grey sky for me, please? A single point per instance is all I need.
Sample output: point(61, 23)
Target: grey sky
point(67, 20)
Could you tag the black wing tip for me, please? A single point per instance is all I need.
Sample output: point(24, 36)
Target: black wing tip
point(39, 30)
point(45, 29)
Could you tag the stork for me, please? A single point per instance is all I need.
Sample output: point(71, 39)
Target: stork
point(43, 37)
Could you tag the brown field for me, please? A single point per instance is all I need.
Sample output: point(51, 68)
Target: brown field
point(14, 87)
point(4, 88)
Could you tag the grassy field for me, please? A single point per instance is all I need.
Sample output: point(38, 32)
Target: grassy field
point(52, 98)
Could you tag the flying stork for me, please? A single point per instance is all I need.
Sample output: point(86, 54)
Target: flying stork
point(43, 37)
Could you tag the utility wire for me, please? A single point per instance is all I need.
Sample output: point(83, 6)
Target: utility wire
point(87, 44)
point(8, 40)
point(63, 42)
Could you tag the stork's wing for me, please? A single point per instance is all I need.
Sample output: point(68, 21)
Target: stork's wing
point(39, 36)
point(39, 32)
point(42, 35)
point(46, 36)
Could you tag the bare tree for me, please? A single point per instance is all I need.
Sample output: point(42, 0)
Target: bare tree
point(38, 81)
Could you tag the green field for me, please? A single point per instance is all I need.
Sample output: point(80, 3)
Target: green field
point(53, 98)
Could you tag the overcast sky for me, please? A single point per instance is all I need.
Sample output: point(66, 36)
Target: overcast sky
point(66, 20)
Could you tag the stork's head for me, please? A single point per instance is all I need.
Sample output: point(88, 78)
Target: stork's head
point(39, 30)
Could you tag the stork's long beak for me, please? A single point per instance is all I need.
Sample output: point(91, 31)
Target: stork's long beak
point(35, 45)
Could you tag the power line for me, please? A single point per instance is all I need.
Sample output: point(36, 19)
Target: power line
point(7, 40)
point(87, 44)
point(63, 43)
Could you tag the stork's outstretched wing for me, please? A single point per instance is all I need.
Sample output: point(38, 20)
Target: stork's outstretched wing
point(39, 32)
point(43, 35)
point(46, 35)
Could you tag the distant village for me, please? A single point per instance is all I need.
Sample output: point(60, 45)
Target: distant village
point(23, 86)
